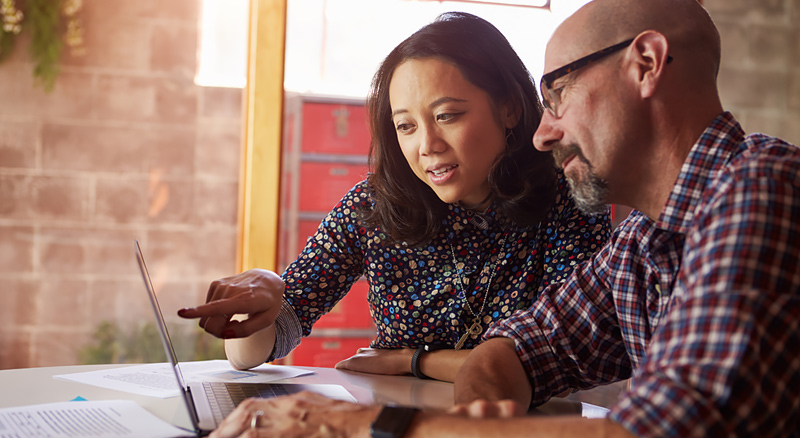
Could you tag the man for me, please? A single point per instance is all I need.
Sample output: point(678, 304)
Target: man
point(696, 297)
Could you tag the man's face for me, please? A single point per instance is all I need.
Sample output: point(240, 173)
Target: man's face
point(585, 131)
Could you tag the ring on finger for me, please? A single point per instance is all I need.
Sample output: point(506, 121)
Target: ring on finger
point(254, 419)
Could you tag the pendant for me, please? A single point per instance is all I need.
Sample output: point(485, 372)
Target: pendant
point(475, 329)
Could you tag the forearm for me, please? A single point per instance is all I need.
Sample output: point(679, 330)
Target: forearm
point(493, 372)
point(444, 426)
point(443, 364)
point(252, 351)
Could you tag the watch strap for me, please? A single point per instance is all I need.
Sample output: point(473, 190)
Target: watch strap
point(392, 421)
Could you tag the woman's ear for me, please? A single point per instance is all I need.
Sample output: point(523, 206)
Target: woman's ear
point(510, 114)
point(649, 55)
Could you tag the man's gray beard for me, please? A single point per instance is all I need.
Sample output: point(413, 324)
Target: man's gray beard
point(590, 195)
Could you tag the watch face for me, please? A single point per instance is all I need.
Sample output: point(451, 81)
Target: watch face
point(392, 421)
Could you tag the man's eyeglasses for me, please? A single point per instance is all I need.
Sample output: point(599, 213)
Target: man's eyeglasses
point(552, 97)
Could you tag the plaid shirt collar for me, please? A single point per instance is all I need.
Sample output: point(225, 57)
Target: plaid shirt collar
point(718, 144)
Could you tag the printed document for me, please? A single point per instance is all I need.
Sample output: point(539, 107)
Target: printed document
point(158, 380)
point(97, 419)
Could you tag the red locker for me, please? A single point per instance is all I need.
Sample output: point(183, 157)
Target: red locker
point(322, 185)
point(326, 142)
point(324, 351)
point(335, 128)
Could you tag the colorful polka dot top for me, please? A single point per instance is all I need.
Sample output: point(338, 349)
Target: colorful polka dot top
point(478, 269)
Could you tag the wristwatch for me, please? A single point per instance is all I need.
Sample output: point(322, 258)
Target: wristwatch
point(415, 359)
point(392, 421)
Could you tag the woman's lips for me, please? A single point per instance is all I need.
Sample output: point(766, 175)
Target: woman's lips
point(441, 174)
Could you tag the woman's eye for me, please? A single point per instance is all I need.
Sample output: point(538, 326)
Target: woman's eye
point(403, 127)
point(446, 116)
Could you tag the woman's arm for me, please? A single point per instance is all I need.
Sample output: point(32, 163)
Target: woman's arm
point(252, 351)
point(439, 364)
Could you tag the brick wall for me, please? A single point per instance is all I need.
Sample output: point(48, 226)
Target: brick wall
point(760, 75)
point(126, 146)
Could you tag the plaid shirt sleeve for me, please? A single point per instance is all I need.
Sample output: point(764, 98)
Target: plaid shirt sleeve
point(571, 338)
point(725, 362)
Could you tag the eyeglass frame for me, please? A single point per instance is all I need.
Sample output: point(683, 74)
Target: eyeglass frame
point(549, 78)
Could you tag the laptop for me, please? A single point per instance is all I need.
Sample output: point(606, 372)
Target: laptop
point(208, 403)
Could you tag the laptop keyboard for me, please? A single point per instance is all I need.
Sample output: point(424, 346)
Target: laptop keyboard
point(225, 396)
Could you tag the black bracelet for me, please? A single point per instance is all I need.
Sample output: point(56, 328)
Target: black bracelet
point(415, 368)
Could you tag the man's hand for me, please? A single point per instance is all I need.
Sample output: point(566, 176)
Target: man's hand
point(487, 409)
point(493, 372)
point(305, 414)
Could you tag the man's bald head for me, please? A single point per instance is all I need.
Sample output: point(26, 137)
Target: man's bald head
point(689, 29)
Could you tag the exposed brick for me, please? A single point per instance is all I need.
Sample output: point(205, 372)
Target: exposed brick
point(105, 253)
point(175, 49)
point(753, 88)
point(72, 96)
point(61, 198)
point(94, 148)
point(171, 201)
point(216, 203)
point(58, 346)
point(204, 254)
point(117, 149)
point(121, 200)
point(15, 348)
point(20, 303)
point(113, 44)
point(16, 250)
point(162, 100)
point(777, 124)
point(173, 151)
point(219, 150)
point(769, 48)
point(63, 302)
point(755, 11)
point(222, 103)
point(735, 44)
point(18, 144)
point(121, 301)
point(794, 93)
point(13, 196)
point(18, 93)
point(794, 43)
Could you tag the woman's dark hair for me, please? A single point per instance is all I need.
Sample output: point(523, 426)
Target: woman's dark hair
point(522, 180)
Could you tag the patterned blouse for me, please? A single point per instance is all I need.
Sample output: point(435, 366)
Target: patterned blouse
point(479, 266)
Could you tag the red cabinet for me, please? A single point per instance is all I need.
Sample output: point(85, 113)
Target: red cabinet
point(326, 142)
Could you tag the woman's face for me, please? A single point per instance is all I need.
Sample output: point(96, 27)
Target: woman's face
point(448, 129)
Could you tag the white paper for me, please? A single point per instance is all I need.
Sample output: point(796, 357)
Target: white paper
point(158, 379)
point(97, 419)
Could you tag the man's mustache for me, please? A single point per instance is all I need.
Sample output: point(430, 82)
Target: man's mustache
point(562, 152)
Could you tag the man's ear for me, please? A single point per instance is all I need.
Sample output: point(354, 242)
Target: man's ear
point(649, 56)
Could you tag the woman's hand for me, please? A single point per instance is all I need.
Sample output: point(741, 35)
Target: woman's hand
point(258, 293)
point(379, 361)
point(304, 414)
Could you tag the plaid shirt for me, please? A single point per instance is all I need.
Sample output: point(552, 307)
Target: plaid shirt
point(701, 307)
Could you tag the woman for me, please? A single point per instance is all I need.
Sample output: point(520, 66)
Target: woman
point(460, 223)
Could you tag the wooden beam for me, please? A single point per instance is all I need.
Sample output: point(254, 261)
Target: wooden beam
point(259, 193)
